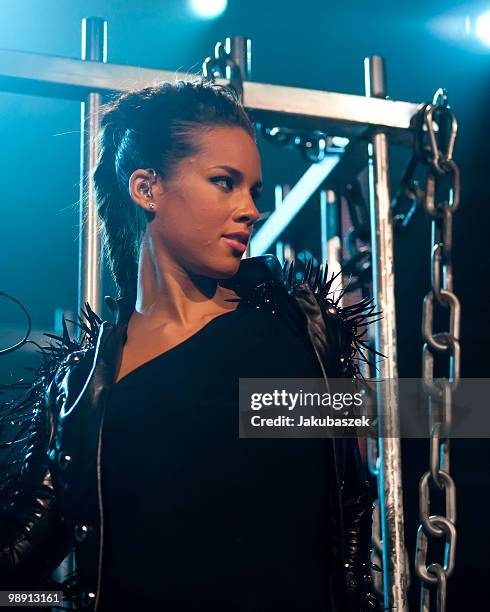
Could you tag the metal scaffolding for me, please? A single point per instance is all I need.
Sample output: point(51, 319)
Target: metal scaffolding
point(369, 123)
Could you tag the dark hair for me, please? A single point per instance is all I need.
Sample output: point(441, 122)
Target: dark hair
point(155, 128)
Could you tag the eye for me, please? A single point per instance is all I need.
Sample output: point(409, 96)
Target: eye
point(224, 180)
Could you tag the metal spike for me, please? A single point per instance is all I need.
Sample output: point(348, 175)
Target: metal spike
point(285, 270)
point(333, 278)
point(316, 280)
point(290, 273)
point(307, 274)
point(325, 276)
point(66, 335)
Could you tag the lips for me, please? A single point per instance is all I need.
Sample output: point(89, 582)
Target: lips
point(238, 241)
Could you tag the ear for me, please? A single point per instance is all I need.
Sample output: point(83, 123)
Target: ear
point(144, 188)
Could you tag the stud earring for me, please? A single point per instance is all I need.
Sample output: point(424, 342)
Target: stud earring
point(151, 205)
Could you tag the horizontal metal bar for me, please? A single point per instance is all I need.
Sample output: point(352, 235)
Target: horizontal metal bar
point(337, 113)
point(52, 76)
point(292, 204)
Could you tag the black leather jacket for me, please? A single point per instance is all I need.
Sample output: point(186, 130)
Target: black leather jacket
point(57, 502)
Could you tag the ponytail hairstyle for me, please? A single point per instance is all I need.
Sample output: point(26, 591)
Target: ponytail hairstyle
point(154, 127)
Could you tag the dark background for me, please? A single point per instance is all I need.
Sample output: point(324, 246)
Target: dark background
point(318, 45)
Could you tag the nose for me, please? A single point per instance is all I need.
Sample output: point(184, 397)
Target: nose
point(248, 213)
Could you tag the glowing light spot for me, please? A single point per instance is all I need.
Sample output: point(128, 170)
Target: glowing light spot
point(482, 28)
point(208, 9)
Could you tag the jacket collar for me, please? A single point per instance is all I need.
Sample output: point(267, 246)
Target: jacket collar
point(253, 271)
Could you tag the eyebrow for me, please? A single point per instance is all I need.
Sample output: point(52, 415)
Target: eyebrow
point(238, 174)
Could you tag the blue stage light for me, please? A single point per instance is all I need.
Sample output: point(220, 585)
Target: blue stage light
point(482, 28)
point(208, 9)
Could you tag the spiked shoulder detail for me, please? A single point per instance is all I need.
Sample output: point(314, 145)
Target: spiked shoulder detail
point(22, 418)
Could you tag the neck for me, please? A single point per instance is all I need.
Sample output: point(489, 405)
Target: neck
point(167, 293)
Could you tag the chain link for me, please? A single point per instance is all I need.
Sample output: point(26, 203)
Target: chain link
point(442, 178)
point(222, 66)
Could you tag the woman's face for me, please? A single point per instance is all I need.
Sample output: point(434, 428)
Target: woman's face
point(205, 212)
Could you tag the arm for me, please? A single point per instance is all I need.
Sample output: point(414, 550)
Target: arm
point(357, 510)
point(33, 541)
point(33, 536)
point(356, 497)
point(338, 335)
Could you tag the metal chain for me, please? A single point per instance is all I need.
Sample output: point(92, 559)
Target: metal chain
point(222, 66)
point(358, 266)
point(442, 178)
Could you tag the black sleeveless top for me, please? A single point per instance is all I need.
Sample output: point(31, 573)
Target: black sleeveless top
point(196, 518)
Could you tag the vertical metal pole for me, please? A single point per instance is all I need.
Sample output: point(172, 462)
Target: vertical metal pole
point(94, 48)
point(331, 240)
point(389, 481)
point(240, 50)
point(284, 251)
point(280, 192)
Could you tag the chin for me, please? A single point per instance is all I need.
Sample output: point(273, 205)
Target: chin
point(227, 270)
point(224, 269)
point(218, 268)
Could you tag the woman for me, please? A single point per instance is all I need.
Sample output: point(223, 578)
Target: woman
point(144, 474)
